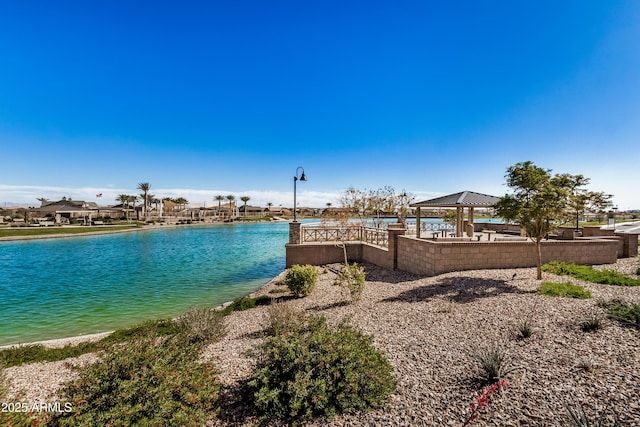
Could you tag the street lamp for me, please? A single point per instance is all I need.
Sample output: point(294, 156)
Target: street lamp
point(295, 180)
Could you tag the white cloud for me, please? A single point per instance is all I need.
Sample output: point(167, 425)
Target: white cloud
point(25, 195)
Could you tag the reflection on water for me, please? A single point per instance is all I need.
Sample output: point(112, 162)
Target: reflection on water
point(63, 287)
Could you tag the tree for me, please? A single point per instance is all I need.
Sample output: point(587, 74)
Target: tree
point(538, 203)
point(231, 198)
point(245, 199)
point(150, 201)
point(581, 200)
point(132, 201)
point(219, 198)
point(154, 200)
point(144, 187)
point(367, 204)
point(124, 199)
point(42, 201)
point(182, 202)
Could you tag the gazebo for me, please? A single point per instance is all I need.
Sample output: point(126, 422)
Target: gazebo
point(464, 199)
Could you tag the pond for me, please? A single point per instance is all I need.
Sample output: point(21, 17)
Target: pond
point(58, 288)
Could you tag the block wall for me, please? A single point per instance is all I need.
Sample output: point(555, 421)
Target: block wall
point(320, 253)
point(427, 257)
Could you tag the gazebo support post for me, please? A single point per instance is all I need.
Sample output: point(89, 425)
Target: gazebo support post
point(418, 222)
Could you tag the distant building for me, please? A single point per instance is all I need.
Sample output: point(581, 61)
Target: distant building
point(66, 209)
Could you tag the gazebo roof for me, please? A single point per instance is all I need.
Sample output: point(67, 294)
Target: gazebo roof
point(463, 198)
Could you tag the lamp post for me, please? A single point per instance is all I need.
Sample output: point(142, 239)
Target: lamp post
point(295, 180)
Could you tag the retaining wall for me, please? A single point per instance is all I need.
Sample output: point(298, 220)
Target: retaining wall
point(432, 257)
point(429, 257)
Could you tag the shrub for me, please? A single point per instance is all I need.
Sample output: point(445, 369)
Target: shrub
point(352, 277)
point(283, 319)
point(148, 381)
point(21, 354)
point(3, 381)
point(578, 418)
point(202, 324)
point(628, 313)
point(589, 274)
point(525, 329)
point(319, 371)
point(567, 290)
point(493, 362)
point(30, 353)
point(247, 302)
point(301, 279)
point(160, 327)
point(591, 323)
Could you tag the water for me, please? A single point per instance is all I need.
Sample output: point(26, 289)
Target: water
point(64, 287)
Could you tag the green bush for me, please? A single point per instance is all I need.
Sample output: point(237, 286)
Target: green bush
point(301, 279)
point(629, 313)
point(3, 381)
point(525, 328)
point(30, 353)
point(247, 302)
point(591, 323)
point(202, 324)
point(319, 371)
point(567, 290)
point(160, 327)
point(352, 277)
point(589, 274)
point(493, 361)
point(148, 381)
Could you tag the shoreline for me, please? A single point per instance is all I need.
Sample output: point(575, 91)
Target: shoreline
point(146, 227)
point(74, 340)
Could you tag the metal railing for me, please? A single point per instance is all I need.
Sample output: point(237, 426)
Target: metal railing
point(376, 236)
point(427, 227)
point(344, 233)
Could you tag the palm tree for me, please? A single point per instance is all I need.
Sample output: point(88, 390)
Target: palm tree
point(150, 198)
point(219, 198)
point(245, 199)
point(231, 198)
point(124, 199)
point(144, 187)
point(269, 206)
point(153, 200)
point(181, 201)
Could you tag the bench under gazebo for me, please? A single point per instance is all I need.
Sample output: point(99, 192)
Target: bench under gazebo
point(460, 201)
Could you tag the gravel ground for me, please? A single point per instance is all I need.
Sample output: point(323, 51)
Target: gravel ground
point(429, 328)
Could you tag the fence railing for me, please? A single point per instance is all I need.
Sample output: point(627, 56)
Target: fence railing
point(427, 227)
point(344, 233)
point(376, 236)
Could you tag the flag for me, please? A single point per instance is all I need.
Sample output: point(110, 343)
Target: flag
point(99, 195)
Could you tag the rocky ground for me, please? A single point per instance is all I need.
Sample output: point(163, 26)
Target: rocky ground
point(430, 328)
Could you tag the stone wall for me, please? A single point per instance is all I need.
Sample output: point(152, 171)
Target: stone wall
point(428, 257)
point(432, 257)
point(321, 253)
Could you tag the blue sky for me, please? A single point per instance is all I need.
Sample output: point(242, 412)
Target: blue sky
point(206, 98)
